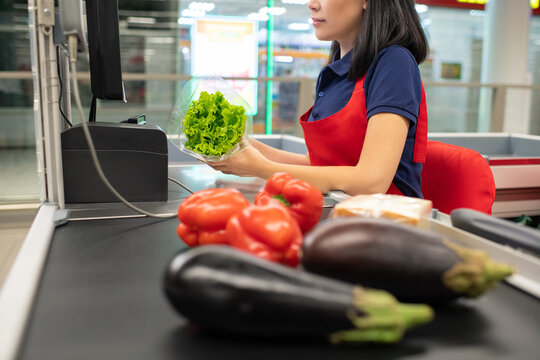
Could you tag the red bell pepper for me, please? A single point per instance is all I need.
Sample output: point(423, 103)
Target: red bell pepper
point(304, 200)
point(267, 230)
point(205, 213)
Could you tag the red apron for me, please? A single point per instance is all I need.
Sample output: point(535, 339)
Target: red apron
point(338, 139)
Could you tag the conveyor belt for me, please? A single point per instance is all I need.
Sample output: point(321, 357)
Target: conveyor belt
point(100, 298)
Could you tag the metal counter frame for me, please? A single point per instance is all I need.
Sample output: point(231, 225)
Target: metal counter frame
point(21, 285)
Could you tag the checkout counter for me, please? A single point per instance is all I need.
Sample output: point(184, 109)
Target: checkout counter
point(515, 163)
point(88, 285)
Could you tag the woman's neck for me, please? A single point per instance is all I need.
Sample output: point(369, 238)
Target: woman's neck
point(345, 47)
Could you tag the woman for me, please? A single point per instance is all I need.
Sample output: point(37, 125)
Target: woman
point(367, 130)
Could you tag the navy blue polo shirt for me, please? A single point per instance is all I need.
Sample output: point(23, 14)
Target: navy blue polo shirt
point(392, 85)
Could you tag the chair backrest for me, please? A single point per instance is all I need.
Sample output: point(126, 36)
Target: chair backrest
point(456, 177)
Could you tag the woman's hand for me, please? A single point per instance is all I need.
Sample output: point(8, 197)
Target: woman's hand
point(247, 162)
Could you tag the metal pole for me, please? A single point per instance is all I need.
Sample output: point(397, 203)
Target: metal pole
point(269, 67)
point(34, 57)
point(47, 113)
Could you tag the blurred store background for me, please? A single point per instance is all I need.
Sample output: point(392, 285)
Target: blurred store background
point(271, 43)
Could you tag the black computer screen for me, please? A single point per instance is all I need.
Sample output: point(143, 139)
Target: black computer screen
point(104, 49)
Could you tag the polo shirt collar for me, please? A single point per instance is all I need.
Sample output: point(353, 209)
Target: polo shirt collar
point(341, 66)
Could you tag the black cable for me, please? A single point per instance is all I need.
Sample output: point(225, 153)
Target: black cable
point(92, 115)
point(61, 88)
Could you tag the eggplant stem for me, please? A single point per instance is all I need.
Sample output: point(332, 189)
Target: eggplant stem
point(383, 319)
point(476, 274)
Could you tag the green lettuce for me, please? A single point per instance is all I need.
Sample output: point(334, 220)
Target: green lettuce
point(212, 125)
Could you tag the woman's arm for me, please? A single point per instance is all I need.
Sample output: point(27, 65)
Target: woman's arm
point(383, 145)
point(280, 156)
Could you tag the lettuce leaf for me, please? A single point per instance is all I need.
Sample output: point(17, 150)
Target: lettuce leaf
point(212, 125)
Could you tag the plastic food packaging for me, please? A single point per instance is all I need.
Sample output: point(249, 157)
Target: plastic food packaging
point(401, 209)
point(210, 120)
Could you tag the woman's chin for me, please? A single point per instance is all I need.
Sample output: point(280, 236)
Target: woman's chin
point(322, 37)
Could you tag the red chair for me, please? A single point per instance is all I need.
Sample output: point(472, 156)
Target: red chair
point(456, 177)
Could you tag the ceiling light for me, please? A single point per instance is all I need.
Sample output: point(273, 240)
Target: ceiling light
point(185, 21)
point(298, 26)
point(276, 11)
point(295, 2)
point(193, 13)
point(283, 59)
point(420, 8)
point(202, 6)
point(258, 16)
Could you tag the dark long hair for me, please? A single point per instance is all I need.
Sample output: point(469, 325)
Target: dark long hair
point(385, 23)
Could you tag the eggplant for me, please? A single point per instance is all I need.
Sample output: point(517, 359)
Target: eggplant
point(413, 264)
point(224, 289)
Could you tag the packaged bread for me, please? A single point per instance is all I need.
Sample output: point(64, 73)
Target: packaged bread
point(395, 207)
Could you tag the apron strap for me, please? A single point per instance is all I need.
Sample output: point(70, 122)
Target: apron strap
point(420, 139)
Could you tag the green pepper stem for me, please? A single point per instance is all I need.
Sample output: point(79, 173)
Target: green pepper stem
point(383, 319)
point(282, 199)
point(476, 274)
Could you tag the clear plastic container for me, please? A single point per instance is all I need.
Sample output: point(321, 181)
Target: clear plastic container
point(210, 120)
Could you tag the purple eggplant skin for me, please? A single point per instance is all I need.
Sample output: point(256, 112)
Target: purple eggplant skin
point(378, 253)
point(221, 288)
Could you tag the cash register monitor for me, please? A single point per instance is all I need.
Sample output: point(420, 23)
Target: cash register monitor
point(104, 49)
